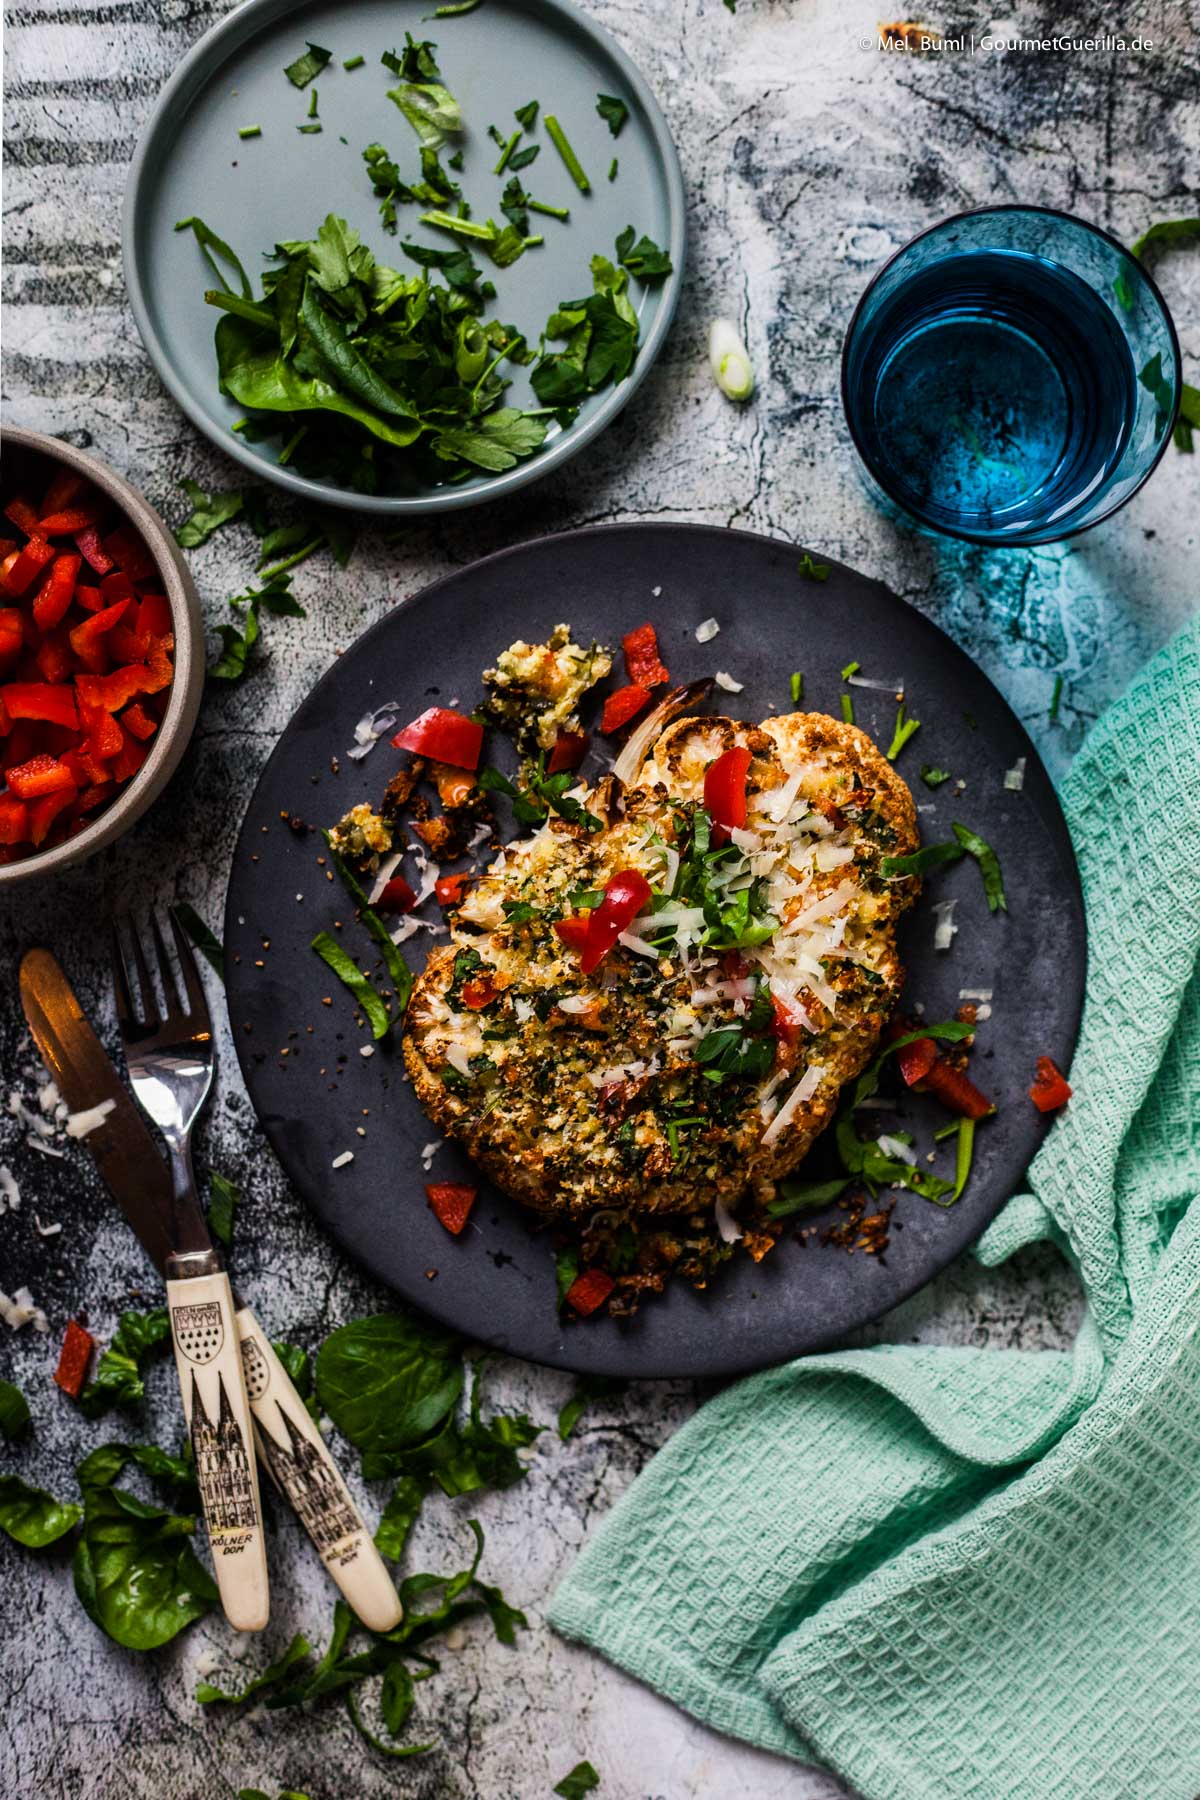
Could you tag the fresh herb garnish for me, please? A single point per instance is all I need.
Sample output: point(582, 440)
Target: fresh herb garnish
point(1166, 231)
point(933, 777)
point(642, 258)
point(612, 169)
point(795, 1196)
point(119, 1374)
point(558, 138)
point(812, 571)
point(731, 1051)
point(614, 112)
point(591, 1387)
point(397, 968)
point(422, 97)
point(353, 62)
point(223, 1202)
point(526, 116)
point(33, 1517)
point(274, 597)
point(905, 728)
point(14, 1410)
point(352, 977)
point(307, 67)
point(1055, 698)
point(796, 684)
point(209, 512)
point(930, 856)
point(249, 131)
point(580, 1780)
point(989, 866)
point(847, 708)
point(201, 936)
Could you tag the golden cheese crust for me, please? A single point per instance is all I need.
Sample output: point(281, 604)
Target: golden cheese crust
point(702, 1058)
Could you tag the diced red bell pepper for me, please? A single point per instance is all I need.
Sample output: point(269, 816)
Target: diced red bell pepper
point(397, 896)
point(66, 487)
point(54, 657)
point(956, 1090)
point(74, 1358)
point(157, 671)
point(6, 723)
point(625, 894)
point(570, 748)
point(14, 820)
point(112, 692)
point(622, 706)
point(54, 596)
point(24, 516)
point(116, 587)
point(104, 738)
point(135, 718)
point(130, 757)
point(28, 566)
point(916, 1059)
point(1051, 1089)
point(589, 1291)
point(445, 735)
point(92, 550)
point(40, 775)
point(573, 931)
point(12, 635)
point(448, 889)
point(43, 812)
point(130, 553)
point(89, 598)
point(642, 660)
point(451, 1202)
point(98, 794)
point(481, 990)
point(787, 1023)
point(70, 520)
point(725, 792)
point(19, 744)
point(87, 638)
point(128, 646)
point(40, 700)
point(154, 615)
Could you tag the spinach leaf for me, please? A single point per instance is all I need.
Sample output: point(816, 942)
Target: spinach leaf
point(930, 856)
point(308, 66)
point(397, 968)
point(388, 1382)
point(297, 1651)
point(209, 512)
point(643, 258)
point(274, 597)
point(352, 978)
point(118, 1380)
point(223, 1202)
point(14, 1410)
point(794, 1196)
point(101, 1467)
point(989, 867)
point(135, 1572)
point(580, 1780)
point(614, 112)
point(201, 936)
point(526, 116)
point(31, 1516)
point(591, 1387)
point(497, 441)
point(731, 1052)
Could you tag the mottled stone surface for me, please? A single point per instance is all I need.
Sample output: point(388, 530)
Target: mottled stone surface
point(807, 160)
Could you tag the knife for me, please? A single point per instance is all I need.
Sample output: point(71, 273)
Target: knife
point(289, 1445)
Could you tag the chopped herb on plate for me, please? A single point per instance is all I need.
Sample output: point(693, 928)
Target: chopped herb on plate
point(307, 67)
point(614, 112)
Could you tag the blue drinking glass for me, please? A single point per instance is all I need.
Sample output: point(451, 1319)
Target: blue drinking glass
point(1011, 376)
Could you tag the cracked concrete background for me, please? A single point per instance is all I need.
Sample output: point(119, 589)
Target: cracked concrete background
point(807, 161)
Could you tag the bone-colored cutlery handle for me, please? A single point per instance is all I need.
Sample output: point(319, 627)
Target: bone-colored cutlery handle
point(297, 1458)
point(209, 1360)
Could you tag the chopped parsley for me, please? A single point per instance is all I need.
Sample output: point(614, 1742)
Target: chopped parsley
point(612, 169)
point(526, 116)
point(642, 257)
point(933, 777)
point(812, 571)
point(352, 978)
point(614, 112)
point(307, 67)
point(850, 669)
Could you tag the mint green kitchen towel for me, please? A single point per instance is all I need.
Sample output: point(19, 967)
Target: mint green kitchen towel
point(967, 1574)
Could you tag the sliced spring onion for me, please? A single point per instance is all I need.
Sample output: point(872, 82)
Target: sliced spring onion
point(989, 866)
point(558, 138)
point(397, 968)
point(729, 360)
point(930, 856)
point(847, 709)
point(905, 728)
point(352, 977)
point(797, 685)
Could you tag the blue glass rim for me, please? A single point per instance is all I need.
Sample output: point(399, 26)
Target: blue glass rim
point(1045, 212)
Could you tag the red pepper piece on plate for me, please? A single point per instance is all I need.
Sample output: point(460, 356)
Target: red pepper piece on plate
point(135, 718)
point(73, 1360)
point(448, 889)
point(40, 700)
point(40, 775)
point(916, 1060)
point(725, 792)
point(130, 553)
point(14, 820)
point(572, 932)
point(642, 660)
point(956, 1090)
point(589, 1291)
point(625, 894)
point(20, 743)
point(99, 794)
point(1051, 1089)
point(29, 564)
point(445, 735)
point(396, 896)
point(481, 990)
point(88, 544)
point(787, 1023)
point(570, 748)
point(451, 1202)
point(116, 586)
point(43, 812)
point(622, 706)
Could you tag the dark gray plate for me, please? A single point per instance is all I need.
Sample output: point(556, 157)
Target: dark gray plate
point(190, 160)
point(496, 1282)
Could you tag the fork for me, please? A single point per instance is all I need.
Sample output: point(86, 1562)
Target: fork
point(171, 1056)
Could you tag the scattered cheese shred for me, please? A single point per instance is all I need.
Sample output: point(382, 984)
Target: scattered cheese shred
point(707, 631)
point(1014, 778)
point(339, 1162)
point(89, 1119)
point(726, 681)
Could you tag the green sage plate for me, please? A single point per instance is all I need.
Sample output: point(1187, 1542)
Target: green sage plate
point(280, 185)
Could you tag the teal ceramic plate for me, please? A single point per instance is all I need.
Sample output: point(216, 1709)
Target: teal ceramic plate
point(282, 184)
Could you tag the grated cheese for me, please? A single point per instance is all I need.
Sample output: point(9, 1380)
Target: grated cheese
point(89, 1119)
point(706, 632)
point(726, 681)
